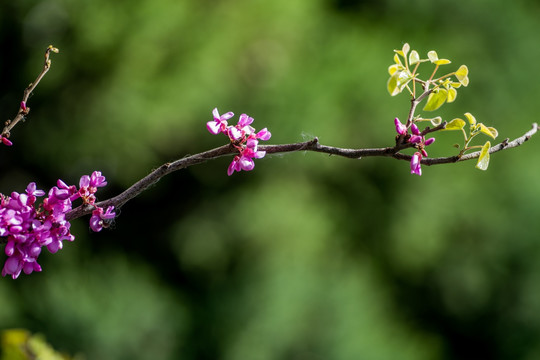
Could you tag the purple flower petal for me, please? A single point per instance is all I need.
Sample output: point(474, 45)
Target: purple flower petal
point(214, 127)
point(429, 141)
point(400, 128)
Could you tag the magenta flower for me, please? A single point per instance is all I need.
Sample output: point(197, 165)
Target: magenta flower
point(219, 124)
point(99, 218)
point(400, 128)
point(264, 134)
point(415, 164)
point(243, 137)
point(28, 227)
point(5, 141)
point(419, 142)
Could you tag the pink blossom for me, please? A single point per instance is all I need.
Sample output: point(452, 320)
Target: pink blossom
point(244, 138)
point(28, 228)
point(400, 128)
point(5, 141)
point(415, 164)
point(99, 218)
point(219, 124)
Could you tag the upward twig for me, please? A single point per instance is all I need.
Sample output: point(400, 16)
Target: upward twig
point(23, 108)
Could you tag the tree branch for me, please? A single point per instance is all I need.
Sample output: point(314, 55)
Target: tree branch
point(311, 145)
point(23, 109)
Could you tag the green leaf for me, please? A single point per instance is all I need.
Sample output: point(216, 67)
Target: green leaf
point(455, 124)
point(397, 60)
point(414, 57)
point(442, 62)
point(471, 118)
point(405, 49)
point(436, 121)
point(492, 132)
point(461, 75)
point(483, 159)
point(432, 56)
point(393, 88)
point(398, 81)
point(393, 68)
point(436, 100)
point(452, 93)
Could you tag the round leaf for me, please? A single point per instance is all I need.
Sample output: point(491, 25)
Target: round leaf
point(393, 68)
point(483, 159)
point(452, 93)
point(436, 100)
point(442, 62)
point(393, 87)
point(488, 131)
point(414, 57)
point(461, 75)
point(432, 56)
point(455, 124)
point(471, 118)
point(436, 121)
point(405, 49)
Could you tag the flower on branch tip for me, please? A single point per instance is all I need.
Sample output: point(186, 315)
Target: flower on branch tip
point(26, 227)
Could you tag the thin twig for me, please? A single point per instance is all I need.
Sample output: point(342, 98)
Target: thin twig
point(23, 108)
point(311, 145)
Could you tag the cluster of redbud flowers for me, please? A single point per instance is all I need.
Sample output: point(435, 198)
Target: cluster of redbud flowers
point(419, 142)
point(27, 227)
point(243, 137)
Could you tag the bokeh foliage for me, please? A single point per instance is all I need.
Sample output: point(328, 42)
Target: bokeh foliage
point(307, 256)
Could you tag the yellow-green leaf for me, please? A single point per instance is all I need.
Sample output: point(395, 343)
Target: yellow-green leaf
point(488, 131)
point(493, 131)
point(442, 62)
point(461, 75)
point(483, 159)
point(432, 56)
point(452, 93)
point(393, 68)
point(393, 88)
point(436, 100)
point(398, 81)
point(414, 57)
point(397, 60)
point(455, 124)
point(405, 49)
point(471, 118)
point(436, 121)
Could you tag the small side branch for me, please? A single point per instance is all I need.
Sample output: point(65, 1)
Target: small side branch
point(311, 145)
point(23, 108)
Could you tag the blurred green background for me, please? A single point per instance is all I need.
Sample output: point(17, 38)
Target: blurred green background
point(308, 256)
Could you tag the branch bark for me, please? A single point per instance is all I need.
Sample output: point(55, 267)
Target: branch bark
point(311, 145)
point(23, 109)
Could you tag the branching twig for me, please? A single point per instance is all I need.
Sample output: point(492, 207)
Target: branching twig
point(23, 108)
point(311, 145)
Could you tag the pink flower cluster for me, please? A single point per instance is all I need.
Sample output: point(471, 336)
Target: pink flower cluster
point(243, 137)
point(26, 228)
point(419, 142)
